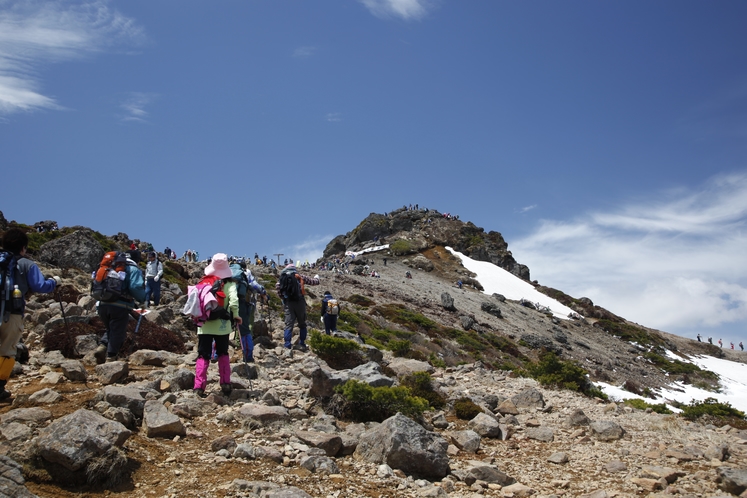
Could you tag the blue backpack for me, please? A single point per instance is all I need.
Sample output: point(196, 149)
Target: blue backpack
point(8, 264)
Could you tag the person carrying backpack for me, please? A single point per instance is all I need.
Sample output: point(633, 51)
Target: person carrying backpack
point(115, 312)
point(16, 271)
point(330, 312)
point(290, 289)
point(217, 328)
point(246, 284)
point(153, 275)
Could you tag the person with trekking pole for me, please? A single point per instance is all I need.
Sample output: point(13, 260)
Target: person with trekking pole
point(19, 276)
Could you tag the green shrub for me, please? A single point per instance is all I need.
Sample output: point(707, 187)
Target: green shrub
point(466, 409)
point(420, 385)
point(399, 348)
point(400, 247)
point(711, 408)
point(642, 405)
point(363, 403)
point(338, 352)
point(552, 371)
point(436, 361)
point(360, 300)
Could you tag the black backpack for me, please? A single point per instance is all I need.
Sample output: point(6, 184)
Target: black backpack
point(8, 264)
point(290, 287)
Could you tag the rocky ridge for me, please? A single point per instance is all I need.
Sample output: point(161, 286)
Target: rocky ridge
point(140, 422)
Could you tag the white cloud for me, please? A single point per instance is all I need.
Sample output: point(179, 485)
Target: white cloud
point(333, 117)
point(674, 264)
point(527, 208)
point(304, 51)
point(35, 33)
point(309, 250)
point(406, 9)
point(134, 106)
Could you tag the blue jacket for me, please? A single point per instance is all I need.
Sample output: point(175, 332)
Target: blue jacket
point(29, 277)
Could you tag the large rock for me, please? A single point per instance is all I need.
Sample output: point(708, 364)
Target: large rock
point(447, 301)
point(407, 366)
point(126, 397)
point(112, 372)
point(468, 440)
point(370, 373)
point(330, 443)
point(489, 473)
point(323, 382)
point(74, 370)
point(11, 478)
point(35, 416)
point(732, 480)
point(491, 308)
point(73, 440)
point(528, 399)
point(606, 430)
point(77, 250)
point(485, 425)
point(158, 421)
point(403, 444)
point(264, 414)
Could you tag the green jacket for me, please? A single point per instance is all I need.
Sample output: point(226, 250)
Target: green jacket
point(223, 327)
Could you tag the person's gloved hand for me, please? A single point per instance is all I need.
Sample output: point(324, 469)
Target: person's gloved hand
point(316, 277)
point(57, 281)
point(157, 278)
point(238, 320)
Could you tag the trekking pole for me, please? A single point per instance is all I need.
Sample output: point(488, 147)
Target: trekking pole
point(62, 307)
point(243, 354)
point(134, 335)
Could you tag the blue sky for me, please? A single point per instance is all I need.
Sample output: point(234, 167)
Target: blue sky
point(604, 140)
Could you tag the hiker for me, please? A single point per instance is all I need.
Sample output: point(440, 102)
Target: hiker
point(732, 345)
point(384, 261)
point(167, 252)
point(330, 311)
point(115, 314)
point(408, 274)
point(720, 344)
point(246, 283)
point(153, 275)
point(459, 285)
point(741, 346)
point(134, 253)
point(27, 276)
point(264, 260)
point(217, 329)
point(294, 305)
point(710, 340)
point(699, 338)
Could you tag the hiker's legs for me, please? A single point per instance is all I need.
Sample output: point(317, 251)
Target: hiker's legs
point(290, 319)
point(148, 290)
point(156, 292)
point(201, 369)
point(115, 319)
point(10, 335)
point(247, 346)
point(204, 351)
point(328, 326)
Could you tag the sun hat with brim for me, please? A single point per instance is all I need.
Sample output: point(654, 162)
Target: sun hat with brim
point(219, 266)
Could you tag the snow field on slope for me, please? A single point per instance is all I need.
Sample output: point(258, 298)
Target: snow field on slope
point(495, 279)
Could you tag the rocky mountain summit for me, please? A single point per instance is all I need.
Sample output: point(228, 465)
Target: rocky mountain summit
point(135, 428)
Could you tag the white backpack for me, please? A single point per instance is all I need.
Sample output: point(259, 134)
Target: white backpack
point(333, 307)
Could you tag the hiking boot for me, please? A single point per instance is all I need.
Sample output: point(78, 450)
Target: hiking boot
point(100, 353)
point(301, 347)
point(4, 395)
point(199, 392)
point(226, 388)
point(110, 359)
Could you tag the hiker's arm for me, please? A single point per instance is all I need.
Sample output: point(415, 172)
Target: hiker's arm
point(37, 282)
point(233, 300)
point(159, 273)
point(309, 280)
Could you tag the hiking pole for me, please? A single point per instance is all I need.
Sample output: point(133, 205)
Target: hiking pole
point(243, 355)
point(134, 335)
point(62, 307)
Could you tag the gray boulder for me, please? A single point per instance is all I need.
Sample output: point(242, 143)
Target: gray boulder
point(318, 463)
point(33, 416)
point(483, 472)
point(77, 250)
point(576, 418)
point(468, 440)
point(485, 426)
point(491, 308)
point(73, 440)
point(606, 430)
point(529, 398)
point(264, 414)
point(323, 382)
point(158, 421)
point(74, 370)
point(330, 443)
point(370, 373)
point(544, 434)
point(407, 366)
point(732, 480)
point(125, 397)
point(403, 444)
point(11, 478)
point(45, 396)
point(447, 302)
point(112, 372)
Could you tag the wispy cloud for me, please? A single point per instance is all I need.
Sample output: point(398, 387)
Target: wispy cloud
point(405, 9)
point(527, 208)
point(310, 250)
point(134, 106)
point(304, 51)
point(35, 33)
point(676, 263)
point(333, 117)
